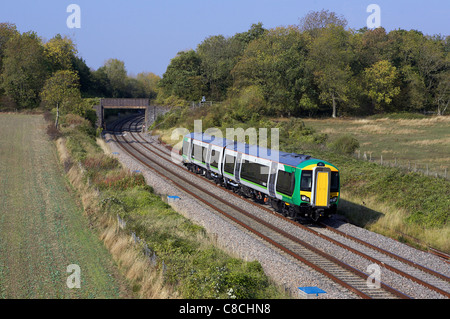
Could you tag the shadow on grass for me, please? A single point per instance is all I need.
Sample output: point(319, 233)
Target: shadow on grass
point(358, 214)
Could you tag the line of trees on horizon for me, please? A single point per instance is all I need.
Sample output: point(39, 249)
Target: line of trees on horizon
point(33, 71)
point(317, 67)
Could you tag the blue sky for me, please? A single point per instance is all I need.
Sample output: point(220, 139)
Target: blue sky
point(147, 34)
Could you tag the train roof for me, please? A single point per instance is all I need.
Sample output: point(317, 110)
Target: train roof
point(291, 159)
point(219, 141)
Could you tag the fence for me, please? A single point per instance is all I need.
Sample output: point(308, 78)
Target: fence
point(151, 255)
point(202, 103)
point(406, 165)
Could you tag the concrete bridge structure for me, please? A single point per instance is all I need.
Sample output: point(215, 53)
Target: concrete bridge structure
point(151, 111)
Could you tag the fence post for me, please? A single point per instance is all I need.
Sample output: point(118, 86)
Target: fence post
point(427, 169)
point(381, 159)
point(445, 173)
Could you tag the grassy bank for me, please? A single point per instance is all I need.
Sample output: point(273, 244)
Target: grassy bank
point(404, 205)
point(189, 265)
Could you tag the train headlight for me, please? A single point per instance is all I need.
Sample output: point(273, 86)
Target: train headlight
point(333, 199)
point(305, 198)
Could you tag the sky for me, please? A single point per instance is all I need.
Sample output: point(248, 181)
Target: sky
point(147, 34)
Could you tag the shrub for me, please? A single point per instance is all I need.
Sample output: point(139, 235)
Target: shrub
point(53, 132)
point(100, 161)
point(73, 120)
point(121, 180)
point(345, 144)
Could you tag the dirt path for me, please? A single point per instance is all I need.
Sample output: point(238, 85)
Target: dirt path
point(42, 227)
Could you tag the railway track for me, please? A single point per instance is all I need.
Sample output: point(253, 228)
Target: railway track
point(341, 273)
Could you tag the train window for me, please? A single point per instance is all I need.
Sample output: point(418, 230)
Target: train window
point(334, 182)
point(198, 153)
point(306, 181)
point(229, 164)
point(285, 182)
point(214, 159)
point(185, 147)
point(255, 172)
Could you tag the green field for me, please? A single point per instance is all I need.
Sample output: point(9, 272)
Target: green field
point(42, 226)
point(413, 143)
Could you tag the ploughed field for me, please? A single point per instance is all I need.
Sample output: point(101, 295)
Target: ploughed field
point(42, 226)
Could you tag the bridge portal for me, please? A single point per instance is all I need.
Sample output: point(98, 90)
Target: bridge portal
point(136, 104)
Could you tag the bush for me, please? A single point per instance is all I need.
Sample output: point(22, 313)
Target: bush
point(72, 120)
point(53, 132)
point(118, 180)
point(345, 144)
point(100, 161)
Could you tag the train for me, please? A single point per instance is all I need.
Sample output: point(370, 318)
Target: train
point(295, 185)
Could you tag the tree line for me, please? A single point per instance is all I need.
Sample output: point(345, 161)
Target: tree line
point(316, 67)
point(33, 71)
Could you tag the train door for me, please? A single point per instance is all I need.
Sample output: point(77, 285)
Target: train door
point(321, 187)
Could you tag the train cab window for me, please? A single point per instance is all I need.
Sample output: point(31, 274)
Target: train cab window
point(306, 181)
point(255, 172)
point(214, 159)
point(334, 182)
point(198, 153)
point(285, 183)
point(228, 166)
point(185, 147)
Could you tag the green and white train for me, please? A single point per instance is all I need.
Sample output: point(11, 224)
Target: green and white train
point(295, 185)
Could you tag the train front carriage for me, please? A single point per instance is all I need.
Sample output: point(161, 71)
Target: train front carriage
point(319, 189)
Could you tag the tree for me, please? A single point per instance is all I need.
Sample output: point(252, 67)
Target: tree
point(413, 92)
point(87, 85)
point(101, 85)
point(370, 47)
point(24, 69)
point(275, 62)
point(256, 31)
point(183, 78)
point(218, 56)
point(314, 21)
point(381, 83)
point(329, 61)
point(60, 52)
point(62, 91)
point(442, 95)
point(7, 31)
point(117, 75)
point(149, 82)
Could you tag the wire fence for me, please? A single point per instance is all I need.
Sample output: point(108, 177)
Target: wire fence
point(406, 165)
point(151, 255)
